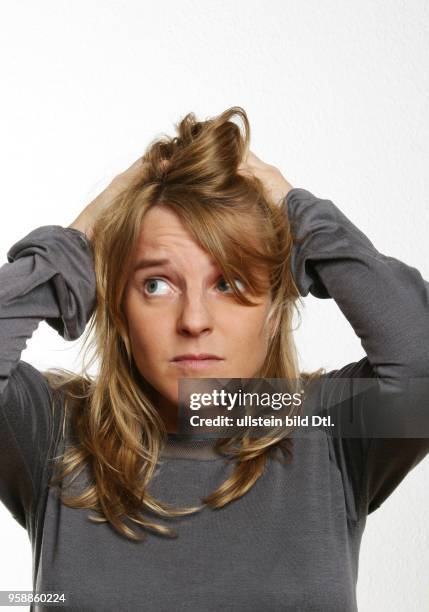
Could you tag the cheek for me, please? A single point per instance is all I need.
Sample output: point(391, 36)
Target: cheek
point(254, 322)
point(146, 338)
point(144, 330)
point(250, 332)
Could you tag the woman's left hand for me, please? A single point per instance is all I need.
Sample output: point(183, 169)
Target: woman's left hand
point(275, 184)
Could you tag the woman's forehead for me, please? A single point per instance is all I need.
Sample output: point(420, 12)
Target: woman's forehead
point(164, 237)
point(161, 220)
point(164, 240)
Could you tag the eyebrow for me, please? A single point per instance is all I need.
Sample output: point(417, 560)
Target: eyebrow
point(142, 264)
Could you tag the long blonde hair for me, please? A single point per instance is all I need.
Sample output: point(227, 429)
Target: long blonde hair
point(117, 431)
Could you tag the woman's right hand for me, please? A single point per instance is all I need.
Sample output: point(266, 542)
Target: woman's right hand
point(86, 219)
point(276, 185)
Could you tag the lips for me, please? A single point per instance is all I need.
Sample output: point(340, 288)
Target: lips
point(197, 362)
point(195, 357)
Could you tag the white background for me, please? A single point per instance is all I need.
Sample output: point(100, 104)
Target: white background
point(337, 96)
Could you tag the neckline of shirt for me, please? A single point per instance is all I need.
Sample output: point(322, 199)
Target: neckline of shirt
point(180, 446)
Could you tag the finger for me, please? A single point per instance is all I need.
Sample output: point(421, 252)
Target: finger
point(244, 169)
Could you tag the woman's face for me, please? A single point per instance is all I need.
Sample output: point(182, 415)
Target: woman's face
point(185, 306)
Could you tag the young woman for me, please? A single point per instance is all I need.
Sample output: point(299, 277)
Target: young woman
point(199, 247)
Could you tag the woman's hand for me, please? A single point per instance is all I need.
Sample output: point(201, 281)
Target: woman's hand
point(86, 219)
point(276, 186)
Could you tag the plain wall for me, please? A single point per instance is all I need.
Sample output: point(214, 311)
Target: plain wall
point(337, 97)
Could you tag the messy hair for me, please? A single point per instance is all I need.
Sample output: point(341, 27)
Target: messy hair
point(116, 429)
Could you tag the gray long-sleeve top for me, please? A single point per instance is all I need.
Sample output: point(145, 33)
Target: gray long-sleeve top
point(292, 541)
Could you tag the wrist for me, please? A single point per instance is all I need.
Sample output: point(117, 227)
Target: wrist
point(83, 223)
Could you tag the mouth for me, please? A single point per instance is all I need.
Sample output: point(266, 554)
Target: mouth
point(201, 363)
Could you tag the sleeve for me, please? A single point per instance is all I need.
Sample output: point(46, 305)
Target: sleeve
point(49, 276)
point(387, 304)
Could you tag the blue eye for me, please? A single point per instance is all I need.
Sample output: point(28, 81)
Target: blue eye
point(237, 279)
point(153, 281)
point(152, 284)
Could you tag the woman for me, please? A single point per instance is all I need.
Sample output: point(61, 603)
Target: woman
point(239, 247)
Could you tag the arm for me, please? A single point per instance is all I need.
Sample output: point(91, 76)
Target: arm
point(49, 276)
point(387, 303)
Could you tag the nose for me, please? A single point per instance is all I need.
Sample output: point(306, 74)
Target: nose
point(194, 316)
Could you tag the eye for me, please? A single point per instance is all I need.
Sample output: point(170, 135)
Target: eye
point(150, 285)
point(152, 282)
point(243, 288)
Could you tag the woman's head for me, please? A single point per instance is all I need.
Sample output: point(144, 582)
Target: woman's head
point(225, 287)
point(185, 306)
